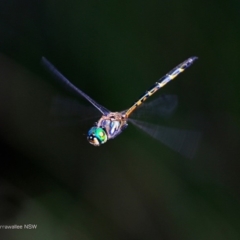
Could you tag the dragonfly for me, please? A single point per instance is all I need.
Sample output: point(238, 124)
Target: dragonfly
point(111, 124)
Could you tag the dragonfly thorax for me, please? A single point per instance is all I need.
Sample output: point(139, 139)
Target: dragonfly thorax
point(107, 127)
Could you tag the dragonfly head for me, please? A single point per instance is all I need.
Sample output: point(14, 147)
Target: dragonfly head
point(96, 136)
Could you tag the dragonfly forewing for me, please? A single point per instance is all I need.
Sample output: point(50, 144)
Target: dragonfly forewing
point(183, 141)
point(66, 83)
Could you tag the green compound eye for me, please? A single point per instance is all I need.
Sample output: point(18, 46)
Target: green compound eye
point(96, 136)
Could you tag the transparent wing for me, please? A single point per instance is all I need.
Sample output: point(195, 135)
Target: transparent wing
point(161, 107)
point(183, 141)
point(64, 81)
point(67, 111)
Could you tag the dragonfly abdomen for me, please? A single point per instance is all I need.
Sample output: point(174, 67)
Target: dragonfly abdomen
point(161, 82)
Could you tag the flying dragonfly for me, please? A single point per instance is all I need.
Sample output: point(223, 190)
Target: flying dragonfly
point(111, 124)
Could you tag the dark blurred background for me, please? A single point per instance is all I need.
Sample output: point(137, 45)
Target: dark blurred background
point(132, 188)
